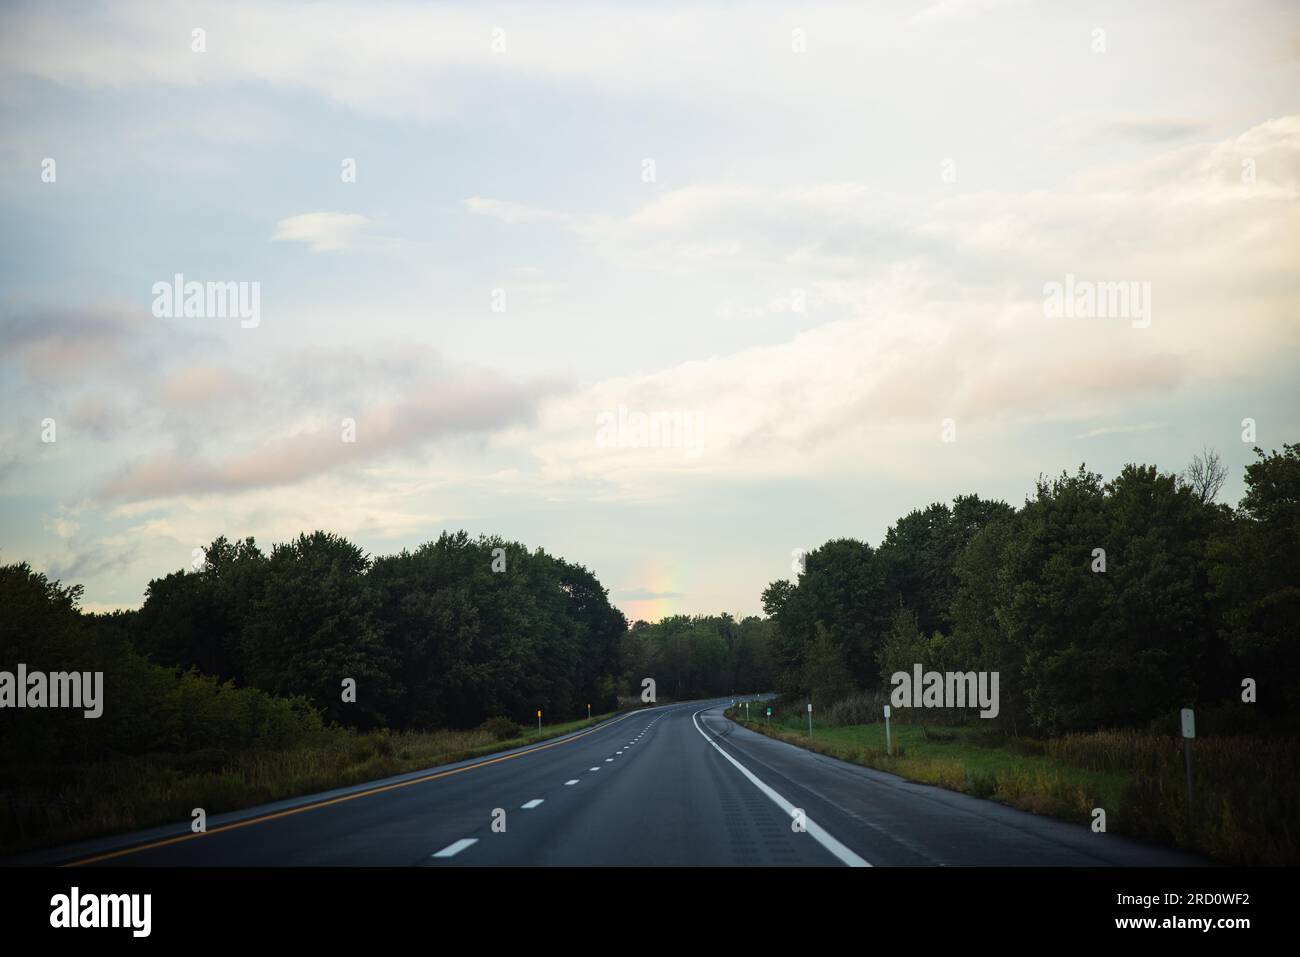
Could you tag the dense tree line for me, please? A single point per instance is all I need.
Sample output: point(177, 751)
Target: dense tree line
point(1099, 603)
point(147, 708)
point(448, 635)
point(698, 656)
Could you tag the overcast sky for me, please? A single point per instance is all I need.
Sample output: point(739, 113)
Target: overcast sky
point(804, 234)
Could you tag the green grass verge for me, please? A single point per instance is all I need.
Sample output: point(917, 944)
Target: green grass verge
point(72, 803)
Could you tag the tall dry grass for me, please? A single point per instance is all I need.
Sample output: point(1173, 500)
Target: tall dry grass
point(1245, 806)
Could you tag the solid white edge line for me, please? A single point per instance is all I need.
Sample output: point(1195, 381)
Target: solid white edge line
point(451, 850)
point(844, 855)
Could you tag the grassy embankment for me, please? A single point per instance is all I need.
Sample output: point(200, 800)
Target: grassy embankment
point(1246, 805)
point(83, 801)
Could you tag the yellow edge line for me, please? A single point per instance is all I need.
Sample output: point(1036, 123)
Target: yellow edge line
point(339, 800)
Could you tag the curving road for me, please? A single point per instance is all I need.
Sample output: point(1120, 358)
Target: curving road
point(673, 785)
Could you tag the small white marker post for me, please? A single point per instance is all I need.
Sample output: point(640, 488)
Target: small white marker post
point(1189, 732)
point(769, 716)
point(810, 719)
point(889, 747)
point(588, 711)
point(539, 720)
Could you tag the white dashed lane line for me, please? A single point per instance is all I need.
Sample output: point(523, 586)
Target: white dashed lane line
point(451, 850)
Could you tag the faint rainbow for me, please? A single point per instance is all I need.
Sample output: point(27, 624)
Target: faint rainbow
point(660, 579)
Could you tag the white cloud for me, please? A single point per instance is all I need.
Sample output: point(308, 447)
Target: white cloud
point(62, 527)
point(961, 331)
point(323, 232)
point(946, 11)
point(1118, 430)
point(508, 212)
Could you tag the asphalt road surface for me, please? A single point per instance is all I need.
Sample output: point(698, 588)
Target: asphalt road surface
point(673, 785)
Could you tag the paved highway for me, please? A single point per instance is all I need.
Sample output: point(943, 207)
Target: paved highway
point(673, 785)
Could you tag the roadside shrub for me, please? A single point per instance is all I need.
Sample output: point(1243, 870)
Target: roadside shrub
point(982, 784)
point(205, 760)
point(383, 743)
point(866, 707)
point(501, 729)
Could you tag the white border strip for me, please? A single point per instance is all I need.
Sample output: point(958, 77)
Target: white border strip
point(844, 855)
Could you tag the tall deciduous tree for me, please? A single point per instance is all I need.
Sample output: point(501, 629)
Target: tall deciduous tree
point(312, 628)
point(1256, 573)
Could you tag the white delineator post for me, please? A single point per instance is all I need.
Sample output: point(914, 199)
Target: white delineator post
point(810, 719)
point(539, 720)
point(1189, 732)
point(889, 747)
